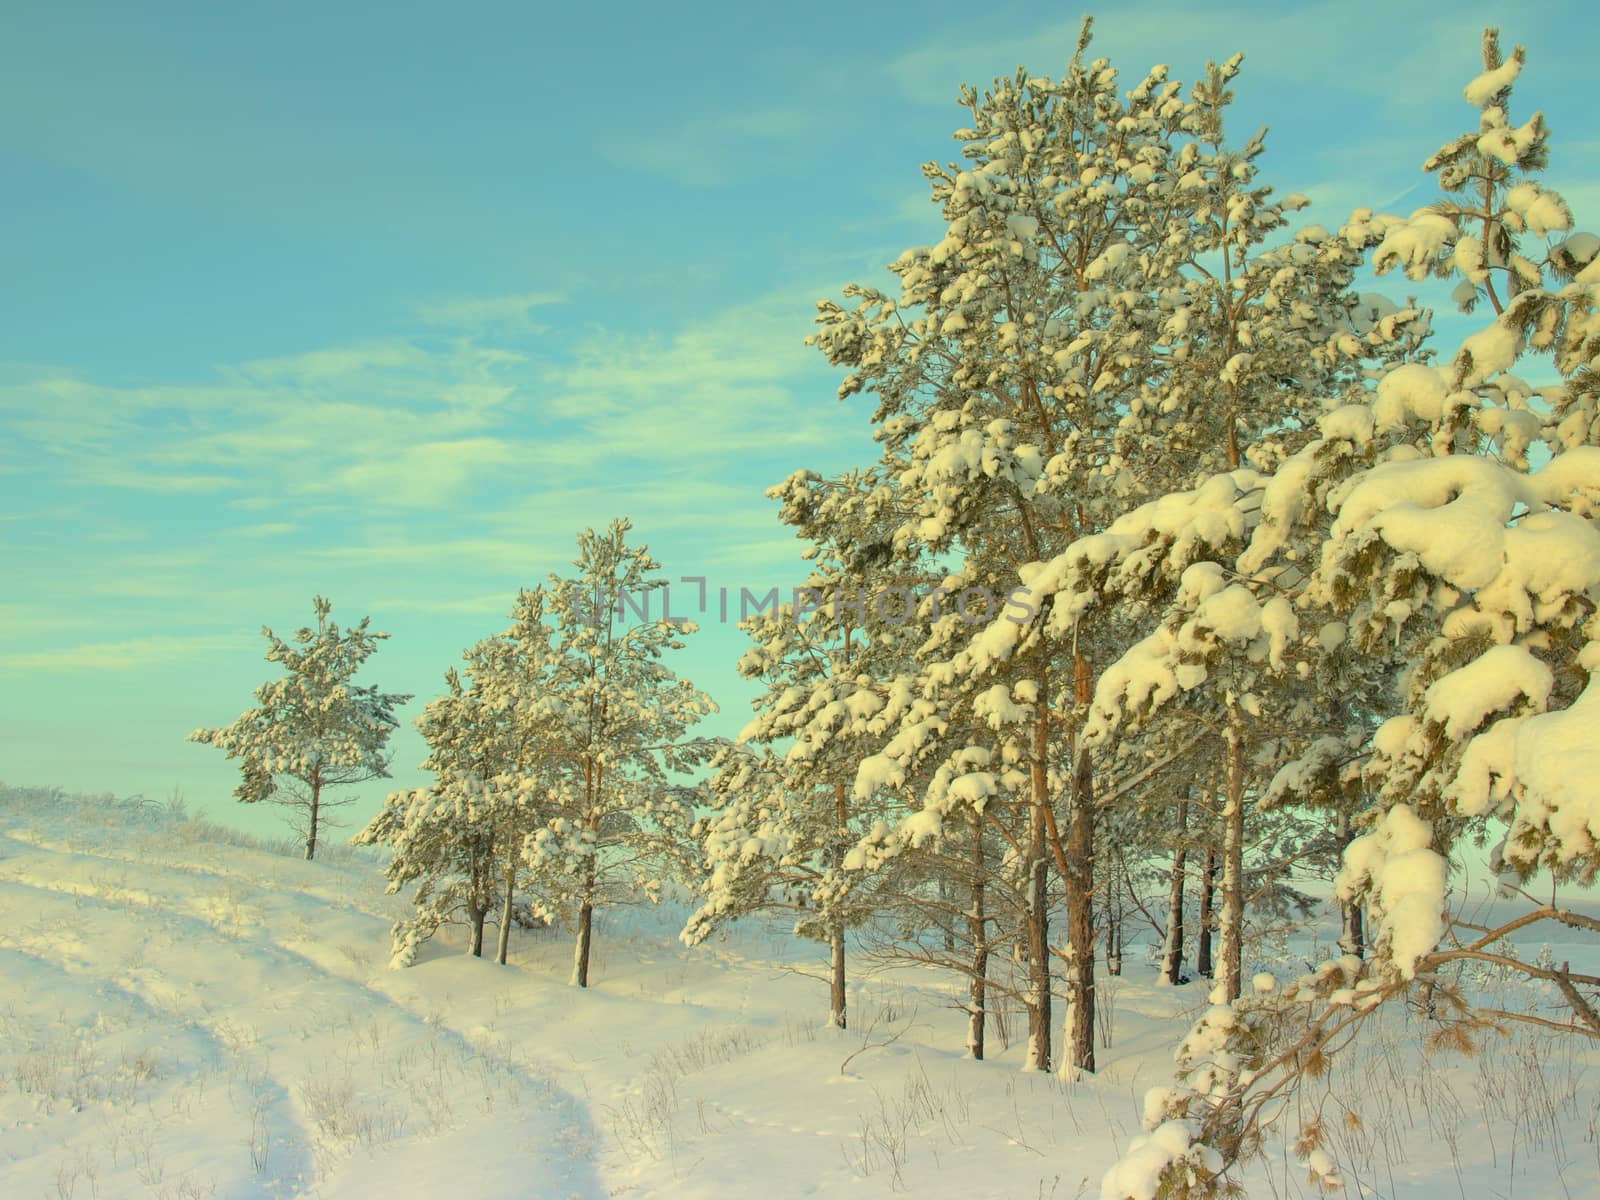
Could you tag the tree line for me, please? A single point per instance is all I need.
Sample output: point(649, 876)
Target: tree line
point(1297, 591)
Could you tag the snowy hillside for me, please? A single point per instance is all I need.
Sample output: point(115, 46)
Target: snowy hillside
point(185, 1013)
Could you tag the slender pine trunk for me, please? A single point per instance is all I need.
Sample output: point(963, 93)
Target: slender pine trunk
point(1077, 1051)
point(476, 916)
point(1172, 944)
point(1203, 923)
point(1232, 916)
point(1352, 932)
point(978, 927)
point(593, 775)
point(580, 952)
point(1038, 917)
point(1115, 881)
point(837, 1015)
point(311, 824)
point(505, 908)
point(1038, 914)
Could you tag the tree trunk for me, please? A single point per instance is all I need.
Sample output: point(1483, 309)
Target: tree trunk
point(1172, 944)
point(1038, 917)
point(580, 953)
point(836, 995)
point(1077, 1051)
point(1208, 884)
point(1114, 910)
point(1038, 914)
point(1353, 935)
point(977, 924)
point(311, 824)
point(505, 909)
point(1352, 932)
point(1232, 916)
point(837, 1016)
point(593, 772)
point(476, 916)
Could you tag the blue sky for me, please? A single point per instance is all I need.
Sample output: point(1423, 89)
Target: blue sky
point(386, 301)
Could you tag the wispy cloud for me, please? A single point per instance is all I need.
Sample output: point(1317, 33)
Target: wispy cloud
point(408, 466)
point(128, 655)
point(711, 151)
point(385, 422)
point(109, 475)
point(315, 366)
point(729, 384)
point(496, 604)
point(513, 554)
point(426, 474)
point(485, 312)
point(419, 425)
point(32, 620)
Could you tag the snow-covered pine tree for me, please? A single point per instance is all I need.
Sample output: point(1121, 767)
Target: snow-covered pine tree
point(1254, 348)
point(749, 861)
point(621, 720)
point(790, 816)
point(1443, 535)
point(995, 385)
point(954, 899)
point(1100, 292)
point(799, 820)
point(1481, 562)
point(961, 820)
point(1434, 529)
point(521, 678)
point(443, 839)
point(461, 839)
point(770, 845)
point(314, 729)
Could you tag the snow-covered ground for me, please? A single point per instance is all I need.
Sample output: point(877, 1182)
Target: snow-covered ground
point(186, 1013)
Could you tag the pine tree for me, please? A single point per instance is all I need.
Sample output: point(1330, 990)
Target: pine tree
point(1100, 292)
point(314, 729)
point(1418, 525)
point(619, 736)
point(461, 840)
point(791, 818)
point(992, 376)
point(449, 840)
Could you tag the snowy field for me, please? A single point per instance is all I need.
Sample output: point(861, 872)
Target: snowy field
point(188, 1013)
